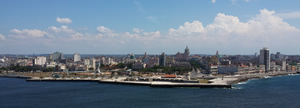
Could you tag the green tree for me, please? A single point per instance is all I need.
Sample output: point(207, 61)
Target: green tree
point(121, 65)
point(91, 68)
point(129, 65)
point(2, 68)
point(49, 69)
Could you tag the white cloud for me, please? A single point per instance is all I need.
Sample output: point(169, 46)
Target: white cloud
point(187, 28)
point(226, 24)
point(289, 15)
point(137, 30)
point(228, 31)
point(2, 37)
point(213, 1)
point(66, 33)
point(26, 33)
point(63, 20)
point(104, 29)
point(62, 29)
point(78, 36)
point(106, 32)
point(265, 22)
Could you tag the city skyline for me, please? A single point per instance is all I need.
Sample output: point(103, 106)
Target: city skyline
point(106, 27)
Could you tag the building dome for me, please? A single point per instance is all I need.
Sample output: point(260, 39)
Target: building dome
point(187, 50)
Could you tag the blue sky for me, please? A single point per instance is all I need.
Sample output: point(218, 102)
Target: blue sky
point(134, 26)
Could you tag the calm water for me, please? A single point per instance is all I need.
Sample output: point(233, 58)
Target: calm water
point(271, 92)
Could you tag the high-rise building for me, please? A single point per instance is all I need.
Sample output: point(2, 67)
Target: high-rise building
point(57, 56)
point(162, 59)
point(265, 58)
point(77, 57)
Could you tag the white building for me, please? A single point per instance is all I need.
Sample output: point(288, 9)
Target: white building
point(90, 63)
point(40, 60)
point(76, 57)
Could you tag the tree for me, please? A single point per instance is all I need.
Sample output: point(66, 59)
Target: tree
point(49, 69)
point(194, 64)
point(91, 68)
point(129, 65)
point(2, 68)
point(121, 65)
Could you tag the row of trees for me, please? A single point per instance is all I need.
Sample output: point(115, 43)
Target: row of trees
point(29, 69)
point(119, 65)
point(165, 69)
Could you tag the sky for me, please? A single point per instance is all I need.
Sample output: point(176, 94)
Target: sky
point(152, 26)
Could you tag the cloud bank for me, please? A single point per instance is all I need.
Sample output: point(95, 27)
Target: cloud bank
point(226, 34)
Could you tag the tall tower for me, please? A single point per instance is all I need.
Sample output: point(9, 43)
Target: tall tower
point(145, 55)
point(218, 56)
point(265, 58)
point(162, 59)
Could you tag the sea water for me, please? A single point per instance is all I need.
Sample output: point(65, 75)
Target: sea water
point(272, 92)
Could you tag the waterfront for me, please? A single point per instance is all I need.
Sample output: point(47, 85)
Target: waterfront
point(270, 92)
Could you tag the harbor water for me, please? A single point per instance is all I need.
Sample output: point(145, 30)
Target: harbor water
point(283, 91)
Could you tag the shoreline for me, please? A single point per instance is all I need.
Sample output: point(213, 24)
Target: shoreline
point(245, 78)
point(227, 82)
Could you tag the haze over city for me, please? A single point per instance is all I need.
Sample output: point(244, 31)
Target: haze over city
point(133, 26)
